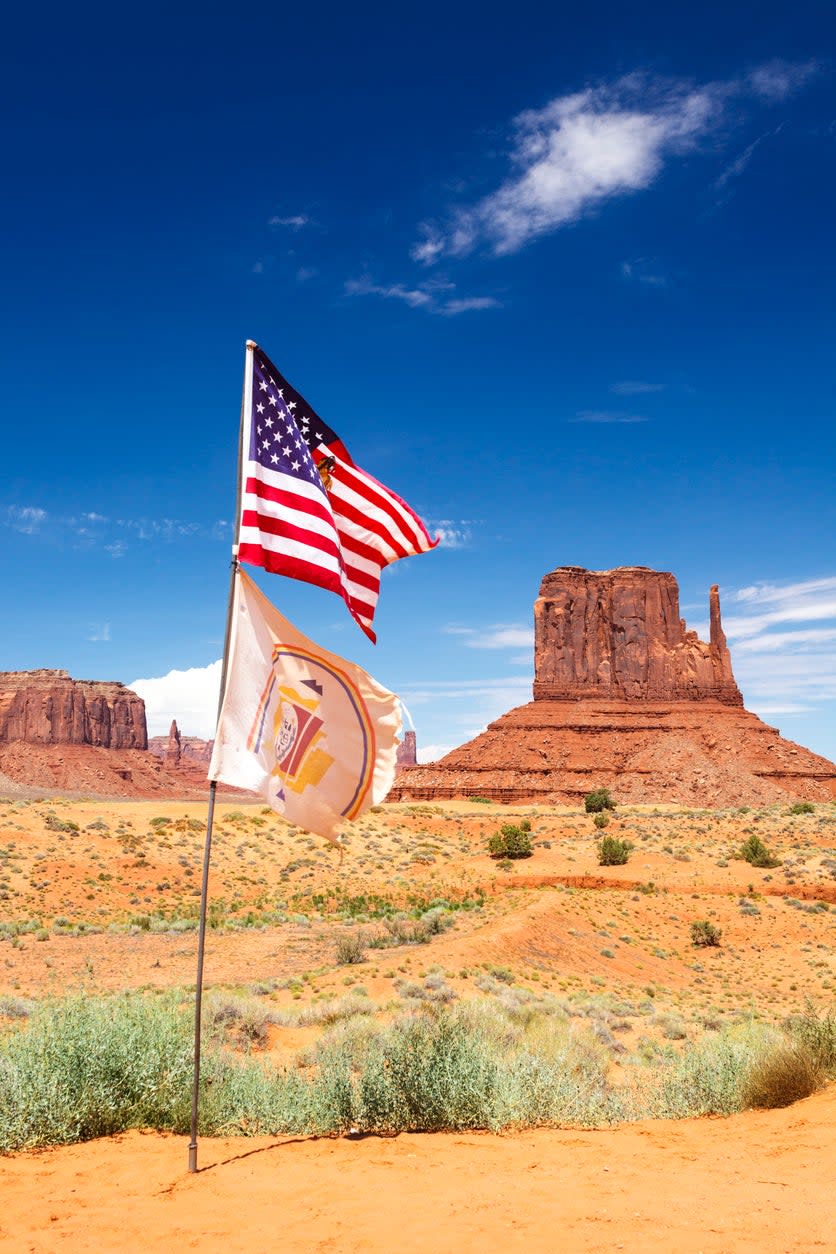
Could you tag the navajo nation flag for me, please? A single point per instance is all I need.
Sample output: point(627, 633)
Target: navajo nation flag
point(307, 511)
point(314, 734)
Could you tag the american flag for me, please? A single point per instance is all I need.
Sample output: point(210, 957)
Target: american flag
point(306, 510)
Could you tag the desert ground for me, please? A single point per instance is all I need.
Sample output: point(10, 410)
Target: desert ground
point(99, 897)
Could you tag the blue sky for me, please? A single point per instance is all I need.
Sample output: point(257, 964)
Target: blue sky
point(565, 281)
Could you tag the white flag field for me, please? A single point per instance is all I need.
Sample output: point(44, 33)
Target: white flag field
point(312, 733)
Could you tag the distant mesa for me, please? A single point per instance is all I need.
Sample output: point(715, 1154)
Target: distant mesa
point(626, 697)
point(90, 737)
point(47, 707)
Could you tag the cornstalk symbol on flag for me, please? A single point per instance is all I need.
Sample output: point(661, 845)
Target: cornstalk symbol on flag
point(314, 734)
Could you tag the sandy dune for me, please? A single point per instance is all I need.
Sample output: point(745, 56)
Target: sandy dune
point(759, 1181)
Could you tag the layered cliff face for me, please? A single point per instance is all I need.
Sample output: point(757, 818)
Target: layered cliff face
point(47, 707)
point(617, 634)
point(625, 697)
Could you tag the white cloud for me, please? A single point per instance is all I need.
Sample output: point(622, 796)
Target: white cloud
point(429, 295)
point(783, 644)
point(644, 270)
point(498, 636)
point(635, 387)
point(735, 168)
point(764, 708)
point(294, 221)
point(117, 549)
point(568, 158)
point(787, 641)
point(770, 593)
point(190, 697)
point(99, 632)
point(415, 297)
point(775, 80)
point(450, 535)
point(27, 519)
point(606, 415)
point(467, 304)
point(431, 753)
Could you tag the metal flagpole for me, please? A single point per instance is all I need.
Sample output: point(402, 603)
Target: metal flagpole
point(213, 786)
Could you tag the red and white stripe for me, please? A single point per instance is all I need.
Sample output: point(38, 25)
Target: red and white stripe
point(339, 539)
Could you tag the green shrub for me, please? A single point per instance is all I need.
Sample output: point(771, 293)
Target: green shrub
point(613, 852)
point(601, 819)
point(802, 807)
point(755, 852)
point(705, 934)
point(485, 801)
point(89, 1067)
point(351, 949)
point(597, 800)
point(510, 842)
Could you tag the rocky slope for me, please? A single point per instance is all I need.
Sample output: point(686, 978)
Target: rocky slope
point(625, 697)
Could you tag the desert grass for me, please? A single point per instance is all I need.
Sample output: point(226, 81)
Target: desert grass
point(86, 1066)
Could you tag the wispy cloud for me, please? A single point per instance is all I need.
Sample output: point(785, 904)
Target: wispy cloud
point(644, 270)
point(93, 530)
point(99, 632)
point(415, 297)
point(635, 387)
point(606, 415)
point(28, 519)
point(505, 689)
point(467, 304)
point(783, 644)
point(768, 604)
point(431, 753)
point(581, 150)
point(777, 79)
point(431, 295)
point(451, 535)
point(293, 222)
point(498, 636)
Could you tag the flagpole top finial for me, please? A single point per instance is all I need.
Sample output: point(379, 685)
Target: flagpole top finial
point(251, 344)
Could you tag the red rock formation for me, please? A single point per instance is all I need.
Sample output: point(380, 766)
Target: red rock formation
point(407, 753)
point(193, 750)
point(625, 697)
point(172, 752)
point(47, 707)
point(617, 634)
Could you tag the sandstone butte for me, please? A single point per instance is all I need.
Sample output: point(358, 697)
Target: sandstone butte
point(625, 697)
point(47, 707)
point(407, 753)
point(88, 736)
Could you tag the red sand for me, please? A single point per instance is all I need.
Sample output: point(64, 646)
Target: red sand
point(755, 1181)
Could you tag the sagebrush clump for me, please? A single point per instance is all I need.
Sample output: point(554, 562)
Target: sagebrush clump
point(755, 852)
point(597, 800)
point(705, 934)
point(613, 852)
point(511, 841)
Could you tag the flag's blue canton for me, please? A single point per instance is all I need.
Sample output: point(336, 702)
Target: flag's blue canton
point(276, 441)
